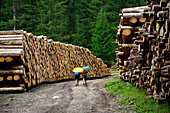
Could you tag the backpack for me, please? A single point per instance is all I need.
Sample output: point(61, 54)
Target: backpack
point(83, 72)
point(76, 73)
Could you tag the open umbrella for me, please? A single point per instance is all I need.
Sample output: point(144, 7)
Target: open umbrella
point(78, 69)
point(86, 68)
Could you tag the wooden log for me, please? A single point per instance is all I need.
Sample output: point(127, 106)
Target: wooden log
point(16, 77)
point(148, 15)
point(2, 59)
point(161, 15)
point(12, 36)
point(133, 20)
point(11, 46)
point(10, 52)
point(156, 7)
point(163, 3)
point(130, 27)
point(130, 15)
point(9, 78)
point(126, 32)
point(16, 72)
point(136, 72)
point(136, 9)
point(11, 89)
point(142, 20)
point(127, 45)
point(1, 78)
point(11, 41)
point(11, 32)
point(8, 59)
point(161, 33)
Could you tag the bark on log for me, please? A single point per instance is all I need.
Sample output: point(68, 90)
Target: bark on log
point(17, 67)
point(12, 32)
point(11, 36)
point(16, 72)
point(11, 46)
point(130, 15)
point(11, 89)
point(10, 52)
point(135, 9)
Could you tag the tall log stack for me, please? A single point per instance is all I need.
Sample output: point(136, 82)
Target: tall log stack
point(143, 54)
point(27, 60)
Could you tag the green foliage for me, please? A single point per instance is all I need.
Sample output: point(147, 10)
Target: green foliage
point(134, 95)
point(102, 39)
point(10, 96)
point(88, 23)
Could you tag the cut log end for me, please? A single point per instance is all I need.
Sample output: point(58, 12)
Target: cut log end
point(9, 78)
point(142, 20)
point(2, 59)
point(1, 79)
point(126, 32)
point(16, 77)
point(133, 20)
point(8, 59)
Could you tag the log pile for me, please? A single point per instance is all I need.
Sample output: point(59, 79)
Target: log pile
point(27, 60)
point(143, 54)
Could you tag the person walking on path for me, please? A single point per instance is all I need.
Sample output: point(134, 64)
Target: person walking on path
point(84, 75)
point(77, 77)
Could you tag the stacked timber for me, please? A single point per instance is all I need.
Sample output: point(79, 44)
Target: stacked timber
point(11, 65)
point(27, 60)
point(143, 54)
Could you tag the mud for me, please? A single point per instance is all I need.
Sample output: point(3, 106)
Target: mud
point(63, 97)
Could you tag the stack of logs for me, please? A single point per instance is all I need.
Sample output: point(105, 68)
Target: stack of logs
point(27, 60)
point(143, 54)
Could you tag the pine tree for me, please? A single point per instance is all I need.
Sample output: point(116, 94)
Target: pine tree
point(103, 42)
point(6, 15)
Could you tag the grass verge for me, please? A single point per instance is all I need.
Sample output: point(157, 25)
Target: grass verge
point(135, 97)
point(114, 71)
point(10, 96)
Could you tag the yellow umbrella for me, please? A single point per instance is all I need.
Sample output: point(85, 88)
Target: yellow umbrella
point(78, 69)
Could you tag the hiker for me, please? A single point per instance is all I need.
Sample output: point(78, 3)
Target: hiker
point(84, 75)
point(77, 77)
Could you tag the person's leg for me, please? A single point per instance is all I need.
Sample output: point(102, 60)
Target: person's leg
point(85, 80)
point(77, 80)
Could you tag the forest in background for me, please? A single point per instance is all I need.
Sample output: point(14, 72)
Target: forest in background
point(88, 23)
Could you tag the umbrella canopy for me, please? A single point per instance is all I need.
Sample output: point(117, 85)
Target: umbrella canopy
point(78, 69)
point(86, 68)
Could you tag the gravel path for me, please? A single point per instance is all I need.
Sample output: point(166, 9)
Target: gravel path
point(63, 97)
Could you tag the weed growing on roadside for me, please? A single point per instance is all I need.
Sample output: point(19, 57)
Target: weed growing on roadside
point(10, 96)
point(135, 97)
point(114, 71)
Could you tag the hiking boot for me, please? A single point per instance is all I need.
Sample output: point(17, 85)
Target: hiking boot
point(77, 85)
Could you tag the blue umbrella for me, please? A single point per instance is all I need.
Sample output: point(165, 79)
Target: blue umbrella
point(86, 68)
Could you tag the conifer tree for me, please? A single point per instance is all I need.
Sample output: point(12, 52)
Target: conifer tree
point(103, 42)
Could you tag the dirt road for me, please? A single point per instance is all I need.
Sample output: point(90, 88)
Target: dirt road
point(62, 97)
